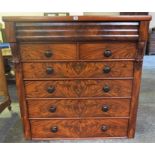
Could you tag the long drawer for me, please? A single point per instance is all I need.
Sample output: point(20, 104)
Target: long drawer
point(78, 88)
point(84, 128)
point(51, 108)
point(78, 69)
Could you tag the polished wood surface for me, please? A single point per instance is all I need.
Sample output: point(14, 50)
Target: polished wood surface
point(78, 69)
point(78, 76)
point(38, 51)
point(79, 128)
point(78, 108)
point(78, 88)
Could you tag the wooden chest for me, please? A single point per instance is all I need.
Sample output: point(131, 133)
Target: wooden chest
point(78, 77)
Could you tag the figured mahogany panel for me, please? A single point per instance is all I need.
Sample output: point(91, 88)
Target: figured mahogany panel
point(79, 128)
point(65, 128)
point(77, 31)
point(78, 69)
point(78, 88)
point(32, 51)
point(119, 50)
point(78, 108)
point(103, 128)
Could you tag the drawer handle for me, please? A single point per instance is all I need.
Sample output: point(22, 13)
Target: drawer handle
point(51, 89)
point(52, 109)
point(48, 54)
point(54, 129)
point(104, 128)
point(106, 88)
point(106, 69)
point(105, 108)
point(107, 53)
point(49, 70)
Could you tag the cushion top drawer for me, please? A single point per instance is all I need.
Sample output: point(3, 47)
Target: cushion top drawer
point(45, 51)
point(76, 31)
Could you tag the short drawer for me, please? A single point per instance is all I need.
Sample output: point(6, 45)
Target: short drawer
point(78, 108)
point(78, 88)
point(55, 128)
point(109, 50)
point(78, 69)
point(103, 128)
point(79, 128)
point(47, 51)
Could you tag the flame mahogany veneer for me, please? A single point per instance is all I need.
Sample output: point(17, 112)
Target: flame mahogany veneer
point(78, 76)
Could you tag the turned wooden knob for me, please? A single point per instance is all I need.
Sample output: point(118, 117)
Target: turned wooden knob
point(106, 69)
point(53, 109)
point(51, 89)
point(106, 88)
point(107, 53)
point(104, 128)
point(54, 129)
point(48, 54)
point(49, 70)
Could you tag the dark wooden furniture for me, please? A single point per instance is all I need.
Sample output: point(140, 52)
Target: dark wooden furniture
point(78, 77)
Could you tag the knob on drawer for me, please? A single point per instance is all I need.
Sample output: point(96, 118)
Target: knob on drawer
point(49, 70)
point(106, 69)
point(106, 88)
point(105, 108)
point(107, 53)
point(48, 53)
point(51, 89)
point(53, 109)
point(54, 129)
point(104, 128)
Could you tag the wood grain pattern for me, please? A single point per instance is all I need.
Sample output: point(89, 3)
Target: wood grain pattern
point(37, 51)
point(66, 128)
point(78, 88)
point(79, 128)
point(78, 69)
point(92, 128)
point(78, 108)
point(95, 51)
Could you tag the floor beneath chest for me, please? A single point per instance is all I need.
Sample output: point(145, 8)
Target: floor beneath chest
point(11, 127)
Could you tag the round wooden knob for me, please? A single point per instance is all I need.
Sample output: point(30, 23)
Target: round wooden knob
point(48, 54)
point(106, 88)
point(104, 128)
point(107, 53)
point(54, 129)
point(51, 89)
point(49, 70)
point(53, 109)
point(106, 69)
point(105, 108)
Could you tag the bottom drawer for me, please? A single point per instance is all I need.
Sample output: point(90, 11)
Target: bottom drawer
point(85, 128)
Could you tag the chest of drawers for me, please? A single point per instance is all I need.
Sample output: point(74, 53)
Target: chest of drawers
point(78, 77)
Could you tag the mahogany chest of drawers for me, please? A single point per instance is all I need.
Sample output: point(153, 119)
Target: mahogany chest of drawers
point(78, 77)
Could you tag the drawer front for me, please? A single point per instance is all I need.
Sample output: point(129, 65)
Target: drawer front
point(84, 128)
point(78, 108)
point(78, 69)
point(112, 50)
point(55, 128)
point(48, 51)
point(104, 128)
point(78, 88)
